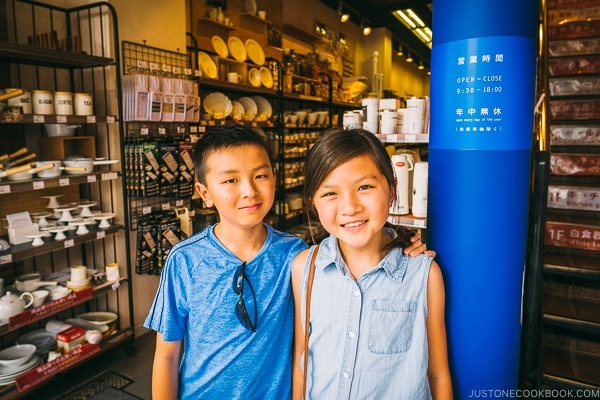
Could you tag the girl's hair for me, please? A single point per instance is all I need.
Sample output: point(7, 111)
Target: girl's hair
point(223, 138)
point(338, 146)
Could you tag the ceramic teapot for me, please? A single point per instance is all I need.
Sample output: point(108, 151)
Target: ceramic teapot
point(11, 304)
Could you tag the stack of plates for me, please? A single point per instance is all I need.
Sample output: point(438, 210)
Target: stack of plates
point(237, 112)
point(43, 340)
point(218, 105)
point(264, 109)
point(8, 373)
point(266, 77)
point(250, 108)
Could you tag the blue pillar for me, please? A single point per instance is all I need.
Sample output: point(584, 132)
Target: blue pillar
point(482, 102)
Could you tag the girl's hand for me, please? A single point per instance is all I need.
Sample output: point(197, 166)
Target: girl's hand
point(417, 247)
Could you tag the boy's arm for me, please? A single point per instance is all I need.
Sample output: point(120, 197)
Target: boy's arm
point(298, 350)
point(165, 369)
point(438, 370)
point(418, 247)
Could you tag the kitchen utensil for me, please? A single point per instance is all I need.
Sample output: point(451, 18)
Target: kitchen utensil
point(31, 282)
point(266, 77)
point(28, 174)
point(250, 108)
point(207, 65)
point(19, 161)
point(401, 166)
point(84, 162)
point(37, 238)
point(10, 95)
point(264, 109)
point(16, 355)
point(237, 49)
point(220, 46)
point(254, 77)
point(55, 169)
point(99, 318)
point(218, 105)
point(15, 170)
point(60, 130)
point(255, 52)
point(20, 152)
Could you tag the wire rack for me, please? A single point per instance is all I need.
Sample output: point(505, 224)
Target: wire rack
point(133, 53)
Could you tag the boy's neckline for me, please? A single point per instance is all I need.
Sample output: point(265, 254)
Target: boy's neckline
point(244, 244)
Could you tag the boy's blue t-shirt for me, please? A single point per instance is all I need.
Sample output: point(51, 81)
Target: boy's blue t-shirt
point(195, 303)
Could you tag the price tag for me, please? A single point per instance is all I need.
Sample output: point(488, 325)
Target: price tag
point(38, 119)
point(179, 203)
point(254, 124)
point(91, 119)
point(142, 64)
point(187, 71)
point(166, 207)
point(147, 210)
point(201, 129)
point(211, 123)
point(61, 119)
point(193, 129)
point(110, 119)
point(109, 175)
point(181, 129)
point(91, 178)
point(5, 189)
point(100, 235)
point(144, 130)
point(410, 138)
point(38, 185)
point(176, 70)
point(69, 243)
point(162, 130)
point(115, 285)
point(64, 182)
point(6, 259)
point(420, 222)
point(153, 66)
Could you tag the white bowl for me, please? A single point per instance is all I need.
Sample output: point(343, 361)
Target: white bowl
point(16, 355)
point(312, 118)
point(292, 119)
point(301, 116)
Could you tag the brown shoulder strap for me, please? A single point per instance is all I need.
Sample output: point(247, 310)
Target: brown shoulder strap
point(311, 274)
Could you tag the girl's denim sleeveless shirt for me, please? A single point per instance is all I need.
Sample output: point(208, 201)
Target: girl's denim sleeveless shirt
point(368, 339)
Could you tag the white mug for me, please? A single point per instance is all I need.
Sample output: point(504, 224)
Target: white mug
point(402, 165)
point(262, 14)
point(419, 191)
point(234, 77)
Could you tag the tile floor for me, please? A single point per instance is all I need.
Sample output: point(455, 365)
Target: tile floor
point(137, 366)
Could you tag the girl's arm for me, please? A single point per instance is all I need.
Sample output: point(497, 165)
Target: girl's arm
point(438, 369)
point(298, 351)
point(165, 369)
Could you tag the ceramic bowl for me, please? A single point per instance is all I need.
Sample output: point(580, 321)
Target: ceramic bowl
point(16, 355)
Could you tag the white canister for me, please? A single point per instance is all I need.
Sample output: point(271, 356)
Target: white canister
point(23, 101)
point(414, 117)
point(419, 193)
point(63, 103)
point(402, 165)
point(371, 115)
point(43, 103)
point(352, 119)
point(387, 122)
point(82, 104)
point(112, 272)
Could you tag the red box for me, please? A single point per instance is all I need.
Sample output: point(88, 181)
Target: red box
point(70, 339)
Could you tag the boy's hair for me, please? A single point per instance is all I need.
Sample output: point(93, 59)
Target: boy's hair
point(338, 146)
point(223, 138)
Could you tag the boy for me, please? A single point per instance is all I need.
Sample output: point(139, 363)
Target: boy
point(226, 292)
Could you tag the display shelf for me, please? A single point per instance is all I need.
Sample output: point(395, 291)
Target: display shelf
point(572, 266)
point(7, 186)
point(571, 324)
point(214, 23)
point(300, 34)
point(404, 138)
point(216, 84)
point(254, 18)
point(62, 119)
point(408, 220)
point(24, 54)
point(26, 250)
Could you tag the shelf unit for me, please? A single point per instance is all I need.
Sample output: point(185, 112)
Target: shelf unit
point(92, 69)
point(571, 273)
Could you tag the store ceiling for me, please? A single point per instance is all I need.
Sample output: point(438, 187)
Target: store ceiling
point(379, 14)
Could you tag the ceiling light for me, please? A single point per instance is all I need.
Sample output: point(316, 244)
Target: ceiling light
point(421, 66)
point(412, 21)
point(366, 27)
point(344, 16)
point(409, 57)
point(400, 52)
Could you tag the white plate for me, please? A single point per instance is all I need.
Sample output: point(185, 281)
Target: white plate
point(220, 46)
point(250, 108)
point(266, 77)
point(237, 49)
point(11, 372)
point(99, 318)
point(207, 65)
point(237, 111)
point(254, 77)
point(86, 325)
point(264, 109)
point(42, 339)
point(255, 52)
point(218, 105)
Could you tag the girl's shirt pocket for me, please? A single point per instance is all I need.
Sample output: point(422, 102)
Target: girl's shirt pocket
point(391, 326)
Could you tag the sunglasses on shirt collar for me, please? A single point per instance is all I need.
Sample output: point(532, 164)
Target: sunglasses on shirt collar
point(241, 311)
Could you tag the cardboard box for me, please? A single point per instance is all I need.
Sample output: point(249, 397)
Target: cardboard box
point(70, 339)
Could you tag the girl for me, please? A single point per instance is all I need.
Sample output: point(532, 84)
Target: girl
point(377, 327)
